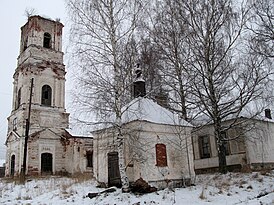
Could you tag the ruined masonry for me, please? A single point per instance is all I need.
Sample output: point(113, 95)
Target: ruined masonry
point(51, 148)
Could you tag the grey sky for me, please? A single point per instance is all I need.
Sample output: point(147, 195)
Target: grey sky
point(12, 17)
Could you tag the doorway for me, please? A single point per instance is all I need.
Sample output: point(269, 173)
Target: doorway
point(12, 165)
point(46, 163)
point(114, 178)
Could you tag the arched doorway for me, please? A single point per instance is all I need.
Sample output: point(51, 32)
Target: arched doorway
point(114, 178)
point(46, 163)
point(12, 165)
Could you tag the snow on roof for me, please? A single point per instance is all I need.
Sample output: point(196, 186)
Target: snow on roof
point(145, 109)
point(148, 110)
point(77, 133)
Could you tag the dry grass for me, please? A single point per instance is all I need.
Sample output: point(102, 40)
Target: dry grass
point(79, 178)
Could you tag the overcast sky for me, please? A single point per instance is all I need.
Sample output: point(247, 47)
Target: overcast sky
point(12, 17)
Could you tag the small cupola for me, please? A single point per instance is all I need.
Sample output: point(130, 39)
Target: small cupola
point(139, 85)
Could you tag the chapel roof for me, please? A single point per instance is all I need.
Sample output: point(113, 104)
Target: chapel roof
point(147, 110)
point(144, 109)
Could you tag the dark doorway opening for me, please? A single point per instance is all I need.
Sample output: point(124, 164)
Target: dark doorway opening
point(46, 163)
point(12, 165)
point(114, 178)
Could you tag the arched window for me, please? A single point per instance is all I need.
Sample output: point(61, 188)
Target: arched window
point(46, 95)
point(161, 157)
point(18, 99)
point(47, 40)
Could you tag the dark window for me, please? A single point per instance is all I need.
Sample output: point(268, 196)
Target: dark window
point(18, 99)
point(161, 157)
point(14, 124)
point(26, 43)
point(89, 159)
point(12, 165)
point(47, 40)
point(46, 95)
point(225, 142)
point(204, 146)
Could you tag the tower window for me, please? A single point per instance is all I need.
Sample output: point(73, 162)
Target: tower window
point(47, 40)
point(26, 43)
point(46, 95)
point(14, 124)
point(18, 99)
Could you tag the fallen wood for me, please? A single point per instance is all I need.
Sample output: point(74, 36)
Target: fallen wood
point(141, 186)
point(92, 195)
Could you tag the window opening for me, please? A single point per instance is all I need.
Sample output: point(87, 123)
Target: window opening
point(89, 159)
point(12, 165)
point(26, 43)
point(46, 95)
point(14, 124)
point(18, 103)
point(204, 147)
point(47, 40)
point(161, 156)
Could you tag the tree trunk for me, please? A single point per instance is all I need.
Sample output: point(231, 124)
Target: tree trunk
point(220, 147)
point(122, 166)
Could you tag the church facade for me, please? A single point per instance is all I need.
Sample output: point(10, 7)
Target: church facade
point(39, 98)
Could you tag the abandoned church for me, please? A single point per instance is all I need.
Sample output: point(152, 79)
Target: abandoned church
point(159, 146)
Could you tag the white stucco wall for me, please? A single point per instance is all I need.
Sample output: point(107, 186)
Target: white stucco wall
point(140, 141)
point(14, 147)
point(237, 152)
point(254, 147)
point(260, 143)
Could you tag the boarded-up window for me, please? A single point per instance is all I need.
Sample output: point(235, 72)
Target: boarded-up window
point(204, 146)
point(161, 157)
point(89, 159)
point(237, 145)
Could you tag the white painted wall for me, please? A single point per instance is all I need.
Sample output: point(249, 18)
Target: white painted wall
point(141, 138)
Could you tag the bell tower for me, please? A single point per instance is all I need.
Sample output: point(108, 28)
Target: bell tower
point(40, 59)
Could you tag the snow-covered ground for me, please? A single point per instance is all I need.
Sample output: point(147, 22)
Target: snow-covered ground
point(232, 188)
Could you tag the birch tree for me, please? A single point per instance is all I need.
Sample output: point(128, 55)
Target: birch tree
point(101, 31)
point(223, 76)
point(168, 33)
point(262, 26)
